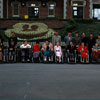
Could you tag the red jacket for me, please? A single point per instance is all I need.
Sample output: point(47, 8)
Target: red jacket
point(36, 48)
point(85, 49)
point(84, 52)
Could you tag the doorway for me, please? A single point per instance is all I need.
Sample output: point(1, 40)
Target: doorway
point(33, 12)
point(78, 12)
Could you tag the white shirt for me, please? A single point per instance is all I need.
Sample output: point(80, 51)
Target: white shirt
point(25, 46)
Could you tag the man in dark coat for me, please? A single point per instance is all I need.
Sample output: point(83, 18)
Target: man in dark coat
point(91, 43)
point(13, 38)
point(12, 45)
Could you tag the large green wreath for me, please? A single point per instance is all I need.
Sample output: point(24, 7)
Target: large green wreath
point(30, 31)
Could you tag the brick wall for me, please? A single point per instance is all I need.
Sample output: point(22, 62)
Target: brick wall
point(86, 10)
point(23, 11)
point(43, 11)
point(59, 9)
point(69, 9)
point(9, 9)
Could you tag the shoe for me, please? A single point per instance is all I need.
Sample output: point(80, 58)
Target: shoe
point(23, 60)
point(82, 61)
point(28, 60)
point(59, 61)
point(86, 61)
point(49, 59)
point(45, 59)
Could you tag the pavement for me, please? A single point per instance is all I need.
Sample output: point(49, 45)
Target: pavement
point(49, 81)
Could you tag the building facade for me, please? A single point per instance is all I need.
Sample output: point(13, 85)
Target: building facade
point(64, 9)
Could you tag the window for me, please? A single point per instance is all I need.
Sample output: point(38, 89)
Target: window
point(97, 13)
point(16, 9)
point(36, 12)
point(74, 11)
point(51, 10)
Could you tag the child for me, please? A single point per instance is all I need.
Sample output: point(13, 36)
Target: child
point(36, 51)
point(58, 51)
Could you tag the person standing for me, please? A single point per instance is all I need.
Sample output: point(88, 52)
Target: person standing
point(11, 51)
point(12, 46)
point(91, 43)
point(13, 38)
point(68, 38)
point(98, 40)
point(56, 38)
point(76, 40)
point(84, 39)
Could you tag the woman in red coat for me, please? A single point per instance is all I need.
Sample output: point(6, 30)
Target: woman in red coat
point(84, 52)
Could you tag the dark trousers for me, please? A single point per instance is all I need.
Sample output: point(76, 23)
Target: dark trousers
point(90, 54)
point(25, 53)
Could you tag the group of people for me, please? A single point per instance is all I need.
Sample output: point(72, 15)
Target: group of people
point(86, 48)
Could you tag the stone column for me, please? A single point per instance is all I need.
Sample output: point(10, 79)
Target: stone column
point(65, 9)
point(91, 9)
point(7, 8)
point(1, 8)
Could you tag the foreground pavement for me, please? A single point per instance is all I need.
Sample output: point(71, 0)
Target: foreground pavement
point(49, 81)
